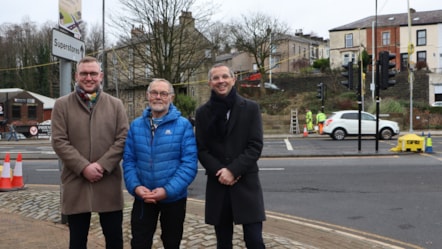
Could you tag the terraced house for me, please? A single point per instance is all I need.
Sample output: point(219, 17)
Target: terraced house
point(415, 38)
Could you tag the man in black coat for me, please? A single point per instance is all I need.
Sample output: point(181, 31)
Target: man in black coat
point(230, 139)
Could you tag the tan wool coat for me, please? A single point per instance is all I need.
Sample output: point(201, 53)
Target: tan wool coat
point(81, 136)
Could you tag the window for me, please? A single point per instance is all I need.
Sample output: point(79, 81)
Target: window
point(385, 38)
point(365, 116)
point(131, 62)
point(131, 55)
point(131, 72)
point(274, 62)
point(32, 112)
point(349, 40)
point(404, 61)
point(207, 53)
point(148, 52)
point(147, 72)
point(350, 116)
point(421, 56)
point(421, 38)
point(347, 58)
point(273, 48)
point(16, 112)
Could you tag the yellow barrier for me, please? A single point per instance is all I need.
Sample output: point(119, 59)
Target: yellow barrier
point(410, 142)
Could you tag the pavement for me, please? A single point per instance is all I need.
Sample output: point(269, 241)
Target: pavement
point(31, 218)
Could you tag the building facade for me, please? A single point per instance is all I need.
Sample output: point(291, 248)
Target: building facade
point(415, 38)
point(290, 54)
point(131, 67)
point(393, 34)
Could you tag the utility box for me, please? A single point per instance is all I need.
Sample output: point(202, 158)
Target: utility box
point(410, 142)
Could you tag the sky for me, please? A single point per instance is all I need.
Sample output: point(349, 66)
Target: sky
point(310, 16)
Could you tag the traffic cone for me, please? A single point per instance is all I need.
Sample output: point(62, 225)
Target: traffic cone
point(429, 144)
point(305, 131)
point(17, 178)
point(5, 180)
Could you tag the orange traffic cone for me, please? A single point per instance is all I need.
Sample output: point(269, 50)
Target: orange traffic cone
point(305, 131)
point(17, 178)
point(5, 180)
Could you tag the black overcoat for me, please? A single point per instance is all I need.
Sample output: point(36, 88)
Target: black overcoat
point(239, 152)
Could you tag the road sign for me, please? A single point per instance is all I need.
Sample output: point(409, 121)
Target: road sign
point(33, 130)
point(66, 46)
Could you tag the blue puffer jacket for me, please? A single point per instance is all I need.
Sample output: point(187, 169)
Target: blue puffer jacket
point(168, 160)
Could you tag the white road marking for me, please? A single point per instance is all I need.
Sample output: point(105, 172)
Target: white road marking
point(288, 144)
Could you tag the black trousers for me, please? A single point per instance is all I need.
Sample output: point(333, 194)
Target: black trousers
point(111, 224)
point(224, 231)
point(144, 223)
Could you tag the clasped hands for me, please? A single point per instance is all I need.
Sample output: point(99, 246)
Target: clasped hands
point(226, 177)
point(93, 172)
point(151, 196)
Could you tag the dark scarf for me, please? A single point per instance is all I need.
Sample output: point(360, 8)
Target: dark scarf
point(89, 98)
point(219, 108)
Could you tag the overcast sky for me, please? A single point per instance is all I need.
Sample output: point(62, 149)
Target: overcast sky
point(317, 16)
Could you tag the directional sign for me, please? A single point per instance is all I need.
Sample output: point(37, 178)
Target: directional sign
point(66, 46)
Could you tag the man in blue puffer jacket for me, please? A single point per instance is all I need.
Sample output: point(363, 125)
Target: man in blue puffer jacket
point(160, 161)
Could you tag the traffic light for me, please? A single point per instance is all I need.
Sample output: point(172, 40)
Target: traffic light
point(387, 74)
point(320, 94)
point(348, 73)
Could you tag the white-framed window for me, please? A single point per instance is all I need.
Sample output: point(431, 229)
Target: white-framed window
point(386, 38)
point(349, 40)
point(347, 57)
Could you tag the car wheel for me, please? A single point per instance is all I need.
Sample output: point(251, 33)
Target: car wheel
point(386, 134)
point(339, 134)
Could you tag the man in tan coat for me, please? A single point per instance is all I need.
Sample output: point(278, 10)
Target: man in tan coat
point(89, 129)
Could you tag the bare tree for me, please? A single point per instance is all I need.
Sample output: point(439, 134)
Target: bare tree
point(256, 34)
point(219, 36)
point(165, 37)
point(94, 40)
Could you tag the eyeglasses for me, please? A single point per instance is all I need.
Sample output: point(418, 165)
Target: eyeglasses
point(163, 94)
point(92, 74)
point(219, 77)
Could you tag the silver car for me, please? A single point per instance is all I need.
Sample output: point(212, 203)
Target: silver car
point(345, 123)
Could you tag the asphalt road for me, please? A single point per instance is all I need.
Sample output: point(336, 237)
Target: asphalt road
point(393, 195)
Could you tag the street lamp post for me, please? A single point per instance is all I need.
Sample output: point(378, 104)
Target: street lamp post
point(269, 31)
point(410, 51)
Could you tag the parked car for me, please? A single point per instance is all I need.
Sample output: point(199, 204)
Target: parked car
point(267, 85)
point(437, 104)
point(345, 123)
point(270, 86)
